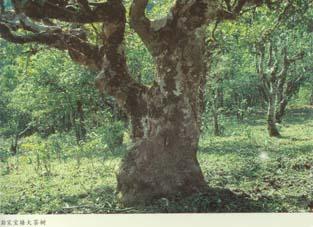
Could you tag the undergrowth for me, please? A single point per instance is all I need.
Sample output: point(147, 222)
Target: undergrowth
point(246, 171)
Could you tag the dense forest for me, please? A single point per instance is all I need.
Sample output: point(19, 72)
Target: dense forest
point(140, 106)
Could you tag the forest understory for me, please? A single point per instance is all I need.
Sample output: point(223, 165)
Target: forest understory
point(246, 170)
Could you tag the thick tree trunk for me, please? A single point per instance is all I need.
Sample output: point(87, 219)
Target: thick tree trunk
point(163, 162)
point(163, 165)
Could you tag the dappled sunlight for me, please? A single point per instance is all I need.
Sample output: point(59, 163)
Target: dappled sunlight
point(263, 156)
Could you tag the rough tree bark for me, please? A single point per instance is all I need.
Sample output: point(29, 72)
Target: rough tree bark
point(271, 111)
point(281, 110)
point(163, 161)
point(165, 118)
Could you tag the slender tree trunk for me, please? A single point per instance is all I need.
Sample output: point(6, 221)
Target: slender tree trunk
point(218, 102)
point(14, 145)
point(163, 162)
point(80, 129)
point(311, 96)
point(120, 116)
point(280, 101)
point(216, 126)
point(215, 105)
point(220, 95)
point(271, 119)
point(280, 110)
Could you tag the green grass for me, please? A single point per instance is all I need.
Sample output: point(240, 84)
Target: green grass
point(247, 171)
point(277, 173)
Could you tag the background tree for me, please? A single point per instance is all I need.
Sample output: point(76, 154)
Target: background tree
point(287, 28)
point(280, 82)
point(274, 83)
point(12, 118)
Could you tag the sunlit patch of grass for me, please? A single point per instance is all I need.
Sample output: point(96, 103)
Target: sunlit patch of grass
point(68, 188)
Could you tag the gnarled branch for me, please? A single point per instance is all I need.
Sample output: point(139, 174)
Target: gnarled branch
point(62, 10)
point(57, 39)
point(149, 31)
point(138, 20)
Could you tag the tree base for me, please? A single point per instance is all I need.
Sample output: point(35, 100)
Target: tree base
point(153, 170)
point(274, 133)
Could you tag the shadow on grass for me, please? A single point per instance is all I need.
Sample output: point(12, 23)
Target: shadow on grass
point(299, 116)
point(218, 200)
point(244, 147)
point(292, 151)
point(240, 146)
point(214, 200)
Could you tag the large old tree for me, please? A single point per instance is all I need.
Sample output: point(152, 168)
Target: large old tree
point(166, 116)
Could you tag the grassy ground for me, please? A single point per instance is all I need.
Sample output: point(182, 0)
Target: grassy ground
point(246, 170)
